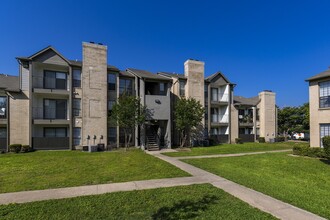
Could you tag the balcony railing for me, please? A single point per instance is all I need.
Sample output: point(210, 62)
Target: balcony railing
point(49, 113)
point(42, 82)
point(223, 97)
point(50, 143)
point(220, 118)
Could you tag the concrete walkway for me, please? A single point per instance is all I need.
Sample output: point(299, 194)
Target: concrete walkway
point(256, 199)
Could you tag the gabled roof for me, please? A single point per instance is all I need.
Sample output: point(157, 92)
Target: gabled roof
point(43, 51)
point(147, 75)
point(210, 78)
point(322, 75)
point(9, 83)
point(176, 75)
point(239, 100)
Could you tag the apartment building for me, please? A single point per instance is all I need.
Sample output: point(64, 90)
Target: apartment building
point(59, 103)
point(319, 107)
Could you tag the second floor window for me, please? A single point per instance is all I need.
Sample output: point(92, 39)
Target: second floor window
point(214, 96)
point(126, 86)
point(112, 81)
point(182, 88)
point(76, 78)
point(55, 109)
point(76, 107)
point(324, 94)
point(55, 80)
point(3, 107)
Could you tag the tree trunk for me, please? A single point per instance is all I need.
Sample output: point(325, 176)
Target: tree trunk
point(125, 131)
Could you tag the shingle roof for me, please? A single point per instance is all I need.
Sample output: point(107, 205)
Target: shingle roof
point(147, 75)
point(178, 75)
point(322, 75)
point(9, 83)
point(124, 73)
point(239, 100)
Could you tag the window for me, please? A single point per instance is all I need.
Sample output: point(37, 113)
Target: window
point(76, 136)
point(112, 81)
point(55, 80)
point(325, 94)
point(214, 115)
point(3, 106)
point(162, 88)
point(214, 92)
point(242, 131)
point(258, 114)
point(55, 109)
point(55, 132)
point(126, 86)
point(76, 107)
point(3, 132)
point(110, 105)
point(76, 78)
point(182, 88)
point(206, 92)
point(112, 135)
point(324, 131)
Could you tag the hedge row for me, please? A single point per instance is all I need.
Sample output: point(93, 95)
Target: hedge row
point(302, 150)
point(18, 148)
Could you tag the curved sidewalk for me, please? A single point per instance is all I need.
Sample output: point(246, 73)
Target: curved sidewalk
point(256, 199)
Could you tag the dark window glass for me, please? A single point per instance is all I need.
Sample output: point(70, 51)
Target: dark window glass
point(3, 132)
point(76, 107)
point(76, 79)
point(55, 80)
point(324, 94)
point(76, 136)
point(3, 106)
point(112, 81)
point(126, 86)
point(55, 109)
point(55, 132)
point(112, 135)
point(182, 88)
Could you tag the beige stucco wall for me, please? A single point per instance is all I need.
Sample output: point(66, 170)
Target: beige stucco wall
point(234, 129)
point(317, 116)
point(267, 111)
point(94, 93)
point(19, 120)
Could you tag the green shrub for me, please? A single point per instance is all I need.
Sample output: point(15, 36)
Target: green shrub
point(326, 145)
point(261, 139)
point(279, 139)
point(25, 148)
point(308, 151)
point(15, 148)
point(238, 141)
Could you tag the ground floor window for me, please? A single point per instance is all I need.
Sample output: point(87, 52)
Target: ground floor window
point(112, 135)
point(324, 131)
point(55, 132)
point(76, 136)
point(3, 132)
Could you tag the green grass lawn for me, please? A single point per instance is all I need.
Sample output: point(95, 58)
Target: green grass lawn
point(55, 169)
point(300, 181)
point(233, 148)
point(184, 202)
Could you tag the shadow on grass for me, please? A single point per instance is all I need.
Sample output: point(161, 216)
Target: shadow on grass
point(326, 161)
point(185, 209)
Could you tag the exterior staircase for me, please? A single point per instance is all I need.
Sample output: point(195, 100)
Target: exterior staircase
point(152, 143)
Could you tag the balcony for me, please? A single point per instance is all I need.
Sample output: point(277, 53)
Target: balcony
point(219, 119)
point(245, 120)
point(48, 115)
point(221, 99)
point(50, 143)
point(49, 85)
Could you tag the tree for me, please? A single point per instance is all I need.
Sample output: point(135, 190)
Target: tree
point(188, 115)
point(293, 119)
point(128, 113)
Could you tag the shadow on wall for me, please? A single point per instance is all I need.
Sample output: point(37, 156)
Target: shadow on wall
point(185, 209)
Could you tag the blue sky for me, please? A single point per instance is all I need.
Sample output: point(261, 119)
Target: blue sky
point(258, 45)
